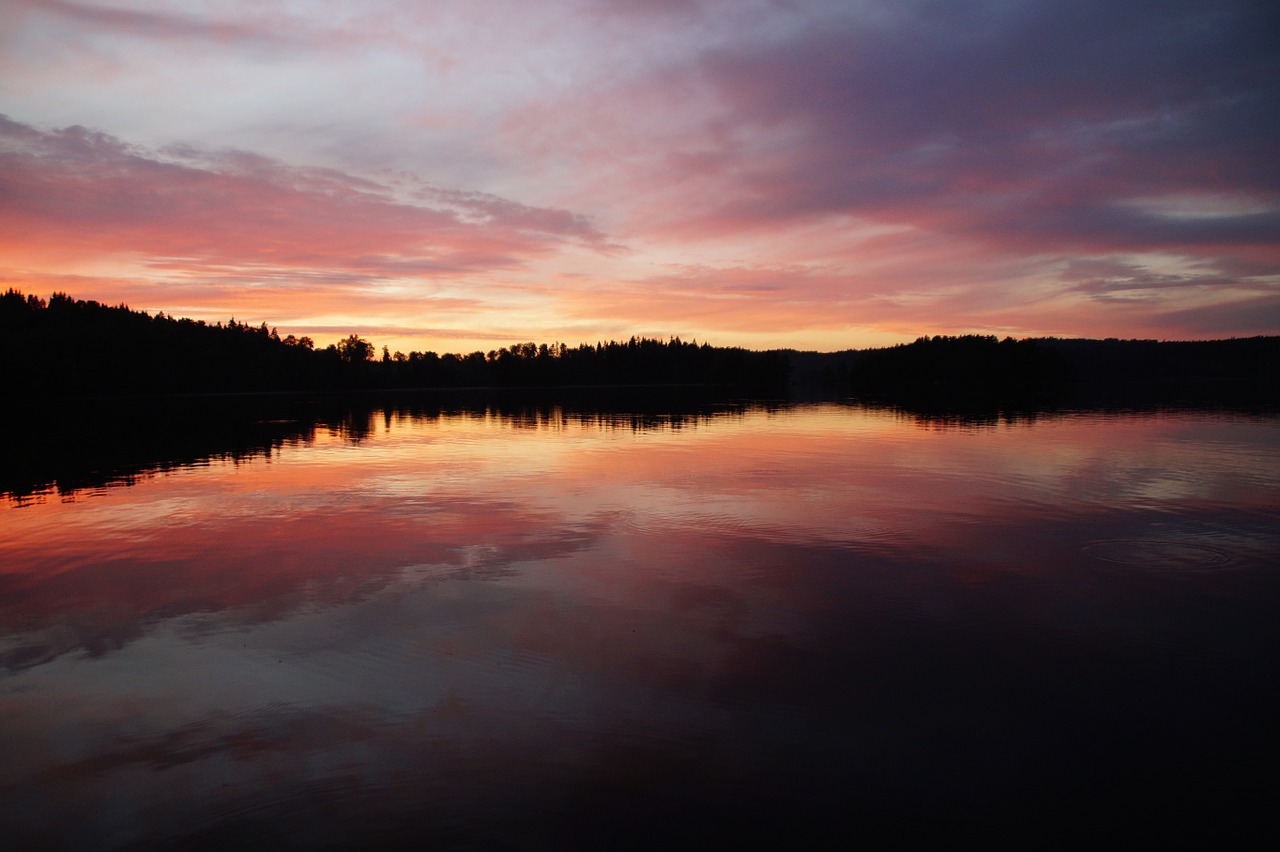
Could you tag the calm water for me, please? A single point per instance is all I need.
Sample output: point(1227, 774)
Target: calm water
point(554, 629)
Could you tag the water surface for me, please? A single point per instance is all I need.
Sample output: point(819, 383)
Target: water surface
point(554, 627)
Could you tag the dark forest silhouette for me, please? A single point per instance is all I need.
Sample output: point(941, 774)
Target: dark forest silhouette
point(66, 347)
point(978, 370)
point(73, 347)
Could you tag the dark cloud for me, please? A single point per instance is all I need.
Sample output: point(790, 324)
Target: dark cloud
point(161, 25)
point(1114, 227)
point(1238, 318)
point(490, 208)
point(977, 117)
point(646, 8)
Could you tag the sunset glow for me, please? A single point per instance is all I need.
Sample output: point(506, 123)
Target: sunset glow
point(453, 176)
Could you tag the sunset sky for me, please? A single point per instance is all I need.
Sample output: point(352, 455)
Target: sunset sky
point(823, 174)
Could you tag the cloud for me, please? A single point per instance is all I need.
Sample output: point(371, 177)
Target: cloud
point(824, 161)
point(155, 24)
point(1026, 129)
point(1042, 113)
point(1235, 318)
point(80, 191)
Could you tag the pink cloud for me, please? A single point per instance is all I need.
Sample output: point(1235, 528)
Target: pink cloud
point(228, 219)
point(85, 192)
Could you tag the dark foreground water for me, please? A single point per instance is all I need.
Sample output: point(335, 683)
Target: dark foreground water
point(553, 629)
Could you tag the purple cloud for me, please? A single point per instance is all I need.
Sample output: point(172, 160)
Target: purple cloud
point(981, 116)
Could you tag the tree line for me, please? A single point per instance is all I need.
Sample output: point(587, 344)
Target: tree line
point(978, 368)
point(71, 347)
point(66, 346)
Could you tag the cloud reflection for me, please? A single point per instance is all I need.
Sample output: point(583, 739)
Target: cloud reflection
point(266, 536)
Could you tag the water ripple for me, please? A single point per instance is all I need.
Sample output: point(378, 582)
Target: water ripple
point(1159, 555)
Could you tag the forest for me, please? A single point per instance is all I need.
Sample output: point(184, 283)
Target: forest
point(65, 347)
point(974, 370)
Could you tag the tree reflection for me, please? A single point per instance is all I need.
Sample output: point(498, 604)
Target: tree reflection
point(83, 445)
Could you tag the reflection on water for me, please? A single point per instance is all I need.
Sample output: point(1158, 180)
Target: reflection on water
point(549, 626)
point(75, 446)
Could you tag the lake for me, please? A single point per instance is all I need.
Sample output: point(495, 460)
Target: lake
point(552, 626)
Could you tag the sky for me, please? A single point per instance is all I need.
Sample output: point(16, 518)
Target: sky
point(817, 174)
